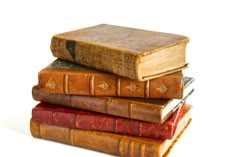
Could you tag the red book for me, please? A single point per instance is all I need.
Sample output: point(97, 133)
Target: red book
point(74, 118)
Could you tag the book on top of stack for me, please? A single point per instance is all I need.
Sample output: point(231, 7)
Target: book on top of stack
point(114, 89)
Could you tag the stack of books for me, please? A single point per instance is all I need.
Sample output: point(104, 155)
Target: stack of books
point(114, 89)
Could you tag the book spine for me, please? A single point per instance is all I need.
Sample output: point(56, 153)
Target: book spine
point(116, 61)
point(108, 105)
point(114, 144)
point(65, 117)
point(94, 84)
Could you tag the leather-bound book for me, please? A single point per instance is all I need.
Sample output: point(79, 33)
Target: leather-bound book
point(115, 144)
point(64, 77)
point(128, 52)
point(150, 110)
point(72, 118)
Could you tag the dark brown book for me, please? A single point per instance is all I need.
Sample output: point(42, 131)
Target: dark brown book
point(150, 110)
point(64, 77)
point(115, 144)
point(128, 52)
point(74, 118)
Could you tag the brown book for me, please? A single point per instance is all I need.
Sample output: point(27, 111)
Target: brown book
point(115, 144)
point(150, 110)
point(64, 77)
point(128, 52)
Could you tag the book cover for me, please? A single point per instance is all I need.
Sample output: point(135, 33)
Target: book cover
point(133, 53)
point(64, 77)
point(150, 110)
point(115, 144)
point(74, 118)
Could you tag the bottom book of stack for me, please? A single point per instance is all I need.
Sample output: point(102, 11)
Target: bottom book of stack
point(107, 133)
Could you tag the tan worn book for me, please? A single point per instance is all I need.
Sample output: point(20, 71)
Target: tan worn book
point(64, 77)
point(128, 52)
point(115, 144)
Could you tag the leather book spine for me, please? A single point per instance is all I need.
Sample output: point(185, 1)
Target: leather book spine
point(108, 105)
point(115, 144)
point(66, 117)
point(101, 84)
point(116, 61)
point(112, 144)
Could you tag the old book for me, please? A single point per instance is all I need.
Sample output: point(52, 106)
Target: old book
point(72, 118)
point(115, 144)
point(150, 110)
point(133, 53)
point(64, 77)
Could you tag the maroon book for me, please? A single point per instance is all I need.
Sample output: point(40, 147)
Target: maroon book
point(74, 118)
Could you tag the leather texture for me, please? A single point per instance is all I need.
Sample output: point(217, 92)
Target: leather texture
point(63, 77)
point(115, 49)
point(137, 40)
point(71, 118)
point(115, 144)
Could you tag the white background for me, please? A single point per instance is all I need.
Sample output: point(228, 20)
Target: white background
point(26, 28)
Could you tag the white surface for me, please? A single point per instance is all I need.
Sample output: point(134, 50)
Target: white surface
point(25, 33)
